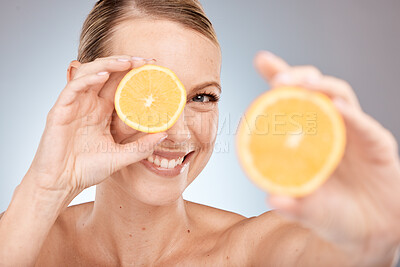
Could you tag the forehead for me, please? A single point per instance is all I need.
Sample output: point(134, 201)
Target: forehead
point(192, 56)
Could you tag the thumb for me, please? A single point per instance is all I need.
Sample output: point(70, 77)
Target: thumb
point(268, 65)
point(140, 149)
point(286, 206)
point(316, 210)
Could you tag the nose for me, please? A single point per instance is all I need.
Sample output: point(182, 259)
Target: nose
point(179, 133)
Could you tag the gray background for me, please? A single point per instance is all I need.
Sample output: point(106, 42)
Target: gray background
point(355, 40)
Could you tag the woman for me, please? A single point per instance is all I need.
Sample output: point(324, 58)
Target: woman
point(139, 216)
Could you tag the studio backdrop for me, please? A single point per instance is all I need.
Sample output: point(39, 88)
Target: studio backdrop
point(356, 40)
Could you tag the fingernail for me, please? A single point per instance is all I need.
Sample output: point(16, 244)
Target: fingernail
point(137, 58)
point(162, 139)
point(283, 78)
point(123, 59)
point(102, 73)
point(150, 59)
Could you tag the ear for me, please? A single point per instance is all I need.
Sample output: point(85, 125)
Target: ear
point(72, 68)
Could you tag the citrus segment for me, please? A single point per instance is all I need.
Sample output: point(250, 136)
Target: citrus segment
point(290, 140)
point(150, 98)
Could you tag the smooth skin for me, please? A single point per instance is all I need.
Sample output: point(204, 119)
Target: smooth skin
point(141, 219)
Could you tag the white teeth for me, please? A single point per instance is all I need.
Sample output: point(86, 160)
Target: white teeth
point(151, 158)
point(171, 164)
point(164, 163)
point(157, 161)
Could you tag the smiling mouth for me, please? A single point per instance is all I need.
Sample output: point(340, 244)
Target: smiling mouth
point(164, 162)
point(167, 164)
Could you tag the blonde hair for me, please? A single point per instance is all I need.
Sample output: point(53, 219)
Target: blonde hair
point(100, 24)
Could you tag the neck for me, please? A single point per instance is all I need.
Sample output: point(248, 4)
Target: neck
point(134, 230)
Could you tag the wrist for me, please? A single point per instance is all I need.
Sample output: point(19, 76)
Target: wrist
point(387, 259)
point(48, 184)
point(28, 219)
point(47, 198)
point(381, 252)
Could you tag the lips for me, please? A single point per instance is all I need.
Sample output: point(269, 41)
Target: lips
point(166, 163)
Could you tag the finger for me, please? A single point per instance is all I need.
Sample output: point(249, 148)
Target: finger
point(367, 132)
point(311, 78)
point(356, 120)
point(333, 87)
point(304, 209)
point(133, 58)
point(296, 76)
point(268, 65)
point(110, 64)
point(108, 92)
point(83, 84)
point(306, 212)
point(133, 152)
point(288, 207)
point(136, 61)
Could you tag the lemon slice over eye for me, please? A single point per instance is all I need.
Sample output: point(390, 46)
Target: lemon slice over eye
point(291, 140)
point(150, 98)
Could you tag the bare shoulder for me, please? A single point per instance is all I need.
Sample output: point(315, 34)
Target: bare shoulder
point(62, 236)
point(256, 241)
point(234, 224)
point(247, 230)
point(259, 240)
point(269, 238)
point(215, 218)
point(268, 226)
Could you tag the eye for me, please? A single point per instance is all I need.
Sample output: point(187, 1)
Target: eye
point(201, 98)
point(205, 98)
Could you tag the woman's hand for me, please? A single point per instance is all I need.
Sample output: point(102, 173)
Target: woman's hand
point(77, 149)
point(358, 208)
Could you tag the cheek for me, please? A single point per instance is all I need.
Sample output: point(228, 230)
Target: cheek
point(119, 130)
point(204, 126)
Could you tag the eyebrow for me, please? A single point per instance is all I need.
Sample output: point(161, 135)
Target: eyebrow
point(207, 84)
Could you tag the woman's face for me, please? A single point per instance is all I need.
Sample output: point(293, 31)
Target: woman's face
point(196, 60)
